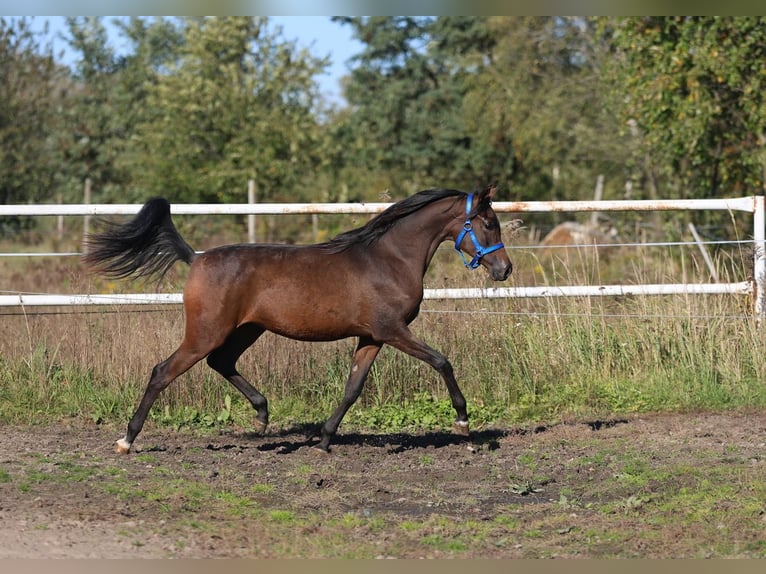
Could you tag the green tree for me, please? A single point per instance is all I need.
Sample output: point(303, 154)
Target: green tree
point(236, 103)
point(469, 100)
point(693, 90)
point(542, 102)
point(28, 86)
point(93, 116)
point(406, 95)
point(155, 45)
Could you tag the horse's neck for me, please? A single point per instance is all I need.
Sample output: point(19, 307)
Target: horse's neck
point(416, 237)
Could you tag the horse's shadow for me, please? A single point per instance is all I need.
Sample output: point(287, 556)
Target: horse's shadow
point(295, 437)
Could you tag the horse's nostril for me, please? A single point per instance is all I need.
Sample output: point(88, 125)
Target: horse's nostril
point(503, 275)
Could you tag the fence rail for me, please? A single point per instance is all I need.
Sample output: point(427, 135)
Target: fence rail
point(749, 204)
point(745, 204)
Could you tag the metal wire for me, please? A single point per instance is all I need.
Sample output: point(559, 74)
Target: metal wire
point(513, 247)
point(33, 312)
point(591, 315)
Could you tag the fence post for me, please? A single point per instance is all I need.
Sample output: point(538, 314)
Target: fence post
point(86, 219)
point(759, 257)
point(59, 220)
point(251, 216)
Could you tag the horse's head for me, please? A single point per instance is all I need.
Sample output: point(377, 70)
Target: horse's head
point(480, 236)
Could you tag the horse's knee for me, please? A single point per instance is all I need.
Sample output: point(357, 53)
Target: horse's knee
point(158, 376)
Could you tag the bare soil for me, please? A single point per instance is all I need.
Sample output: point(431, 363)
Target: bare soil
point(681, 485)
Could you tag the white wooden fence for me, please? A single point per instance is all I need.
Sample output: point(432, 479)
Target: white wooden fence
point(751, 204)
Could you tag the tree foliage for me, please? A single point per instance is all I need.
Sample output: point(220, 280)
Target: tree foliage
point(406, 95)
point(192, 108)
point(541, 100)
point(473, 100)
point(93, 113)
point(28, 82)
point(235, 104)
point(694, 87)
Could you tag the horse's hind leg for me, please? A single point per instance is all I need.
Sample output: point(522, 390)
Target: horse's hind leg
point(163, 374)
point(224, 360)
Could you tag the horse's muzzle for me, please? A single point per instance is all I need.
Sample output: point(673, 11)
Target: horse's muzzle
point(501, 272)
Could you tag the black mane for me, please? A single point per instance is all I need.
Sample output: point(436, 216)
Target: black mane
point(384, 221)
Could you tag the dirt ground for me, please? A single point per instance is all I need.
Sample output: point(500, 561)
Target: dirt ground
point(682, 485)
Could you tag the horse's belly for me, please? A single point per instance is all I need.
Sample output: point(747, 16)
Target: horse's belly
point(310, 322)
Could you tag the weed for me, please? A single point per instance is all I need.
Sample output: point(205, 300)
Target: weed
point(262, 488)
point(568, 502)
point(426, 460)
point(506, 521)
point(633, 503)
point(409, 525)
point(282, 516)
point(237, 505)
point(38, 476)
point(444, 544)
point(146, 458)
point(304, 469)
point(524, 488)
point(350, 520)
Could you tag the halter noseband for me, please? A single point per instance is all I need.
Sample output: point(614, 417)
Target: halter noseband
point(468, 230)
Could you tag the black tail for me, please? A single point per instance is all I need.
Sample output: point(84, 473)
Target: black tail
point(146, 246)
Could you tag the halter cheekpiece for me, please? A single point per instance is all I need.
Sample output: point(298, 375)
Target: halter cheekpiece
point(468, 230)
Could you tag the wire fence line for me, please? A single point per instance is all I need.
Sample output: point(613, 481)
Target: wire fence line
point(523, 247)
point(531, 314)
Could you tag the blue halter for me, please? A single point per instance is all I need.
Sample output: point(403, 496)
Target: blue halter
point(468, 230)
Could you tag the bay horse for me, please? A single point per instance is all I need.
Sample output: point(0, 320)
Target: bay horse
point(365, 283)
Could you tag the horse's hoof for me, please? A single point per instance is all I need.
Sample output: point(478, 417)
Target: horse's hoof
point(461, 428)
point(319, 451)
point(122, 446)
point(259, 427)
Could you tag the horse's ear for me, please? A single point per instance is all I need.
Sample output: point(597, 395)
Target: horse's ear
point(488, 194)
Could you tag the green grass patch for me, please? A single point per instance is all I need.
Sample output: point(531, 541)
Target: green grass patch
point(281, 516)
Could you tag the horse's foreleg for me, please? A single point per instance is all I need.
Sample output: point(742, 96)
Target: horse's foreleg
point(366, 351)
point(407, 343)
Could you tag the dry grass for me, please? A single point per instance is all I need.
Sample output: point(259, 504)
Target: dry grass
point(515, 359)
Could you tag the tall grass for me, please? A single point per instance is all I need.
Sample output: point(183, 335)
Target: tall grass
point(516, 360)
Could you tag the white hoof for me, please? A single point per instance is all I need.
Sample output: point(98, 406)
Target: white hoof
point(122, 446)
